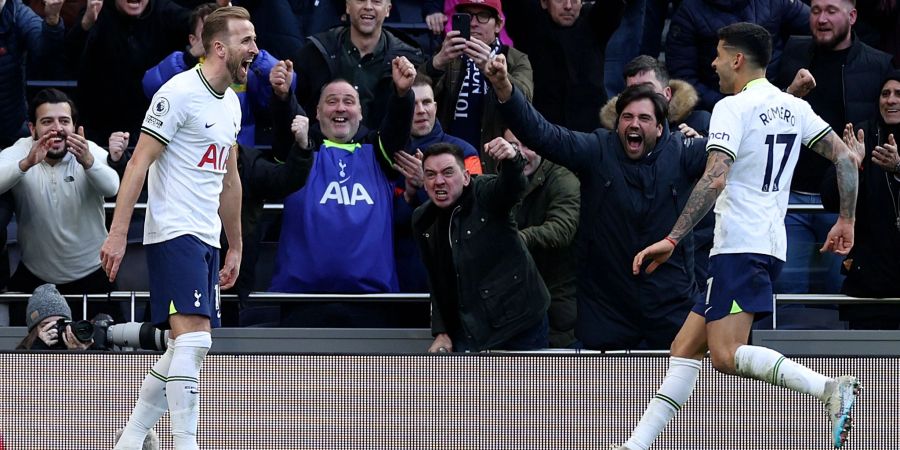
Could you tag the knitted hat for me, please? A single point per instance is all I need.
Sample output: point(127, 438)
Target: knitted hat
point(46, 301)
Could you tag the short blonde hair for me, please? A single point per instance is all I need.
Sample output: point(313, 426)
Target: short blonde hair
point(216, 23)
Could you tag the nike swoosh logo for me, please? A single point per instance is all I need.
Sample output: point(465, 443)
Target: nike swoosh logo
point(210, 124)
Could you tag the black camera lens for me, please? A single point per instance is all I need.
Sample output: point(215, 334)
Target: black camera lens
point(82, 329)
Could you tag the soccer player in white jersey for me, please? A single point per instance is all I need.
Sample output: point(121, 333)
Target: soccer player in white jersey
point(188, 143)
point(754, 141)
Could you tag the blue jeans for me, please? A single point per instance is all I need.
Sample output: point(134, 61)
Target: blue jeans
point(806, 270)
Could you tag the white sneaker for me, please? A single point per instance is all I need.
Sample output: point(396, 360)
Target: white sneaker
point(839, 404)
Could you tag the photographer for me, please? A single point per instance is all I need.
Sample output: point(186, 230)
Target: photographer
point(45, 308)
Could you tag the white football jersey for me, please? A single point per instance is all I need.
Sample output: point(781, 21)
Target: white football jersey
point(198, 127)
point(762, 129)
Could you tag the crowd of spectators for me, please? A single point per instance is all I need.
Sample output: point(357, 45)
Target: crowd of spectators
point(333, 132)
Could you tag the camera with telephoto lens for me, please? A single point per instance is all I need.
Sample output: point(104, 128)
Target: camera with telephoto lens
point(108, 334)
point(82, 329)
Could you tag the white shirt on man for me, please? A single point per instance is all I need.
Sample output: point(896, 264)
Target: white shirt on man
point(198, 127)
point(59, 211)
point(762, 129)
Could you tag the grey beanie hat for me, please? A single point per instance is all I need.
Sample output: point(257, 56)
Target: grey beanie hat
point(46, 301)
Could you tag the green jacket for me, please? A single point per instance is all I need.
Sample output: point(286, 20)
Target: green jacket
point(548, 218)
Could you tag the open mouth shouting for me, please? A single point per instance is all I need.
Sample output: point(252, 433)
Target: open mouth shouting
point(634, 141)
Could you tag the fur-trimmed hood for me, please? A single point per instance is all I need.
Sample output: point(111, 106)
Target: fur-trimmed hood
point(684, 99)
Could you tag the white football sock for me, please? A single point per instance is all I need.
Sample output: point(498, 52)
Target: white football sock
point(182, 387)
point(151, 403)
point(674, 392)
point(764, 364)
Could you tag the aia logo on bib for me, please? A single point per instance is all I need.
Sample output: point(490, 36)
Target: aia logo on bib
point(343, 196)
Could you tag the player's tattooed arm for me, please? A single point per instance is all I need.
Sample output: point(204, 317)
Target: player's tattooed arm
point(846, 162)
point(704, 195)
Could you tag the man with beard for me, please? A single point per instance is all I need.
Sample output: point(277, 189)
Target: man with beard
point(846, 75)
point(634, 181)
point(754, 137)
point(116, 42)
point(188, 143)
point(58, 180)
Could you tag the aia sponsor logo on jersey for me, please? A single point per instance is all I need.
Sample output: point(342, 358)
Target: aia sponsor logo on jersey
point(344, 196)
point(214, 158)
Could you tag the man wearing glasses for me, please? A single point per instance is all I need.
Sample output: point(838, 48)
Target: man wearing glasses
point(465, 108)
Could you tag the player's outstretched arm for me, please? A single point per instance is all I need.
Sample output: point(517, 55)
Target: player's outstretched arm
point(840, 238)
point(147, 150)
point(702, 198)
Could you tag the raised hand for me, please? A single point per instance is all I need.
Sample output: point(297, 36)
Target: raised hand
point(91, 13)
point(300, 129)
point(51, 11)
point(856, 143)
point(886, 155)
point(280, 77)
point(452, 47)
point(38, 151)
point(118, 142)
point(410, 166)
point(802, 84)
point(500, 149)
point(496, 73)
point(479, 52)
point(436, 22)
point(404, 73)
point(77, 145)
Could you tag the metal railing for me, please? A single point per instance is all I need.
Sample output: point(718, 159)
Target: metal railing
point(822, 299)
point(279, 206)
point(132, 297)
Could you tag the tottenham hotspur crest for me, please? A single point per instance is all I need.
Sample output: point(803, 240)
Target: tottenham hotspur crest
point(196, 298)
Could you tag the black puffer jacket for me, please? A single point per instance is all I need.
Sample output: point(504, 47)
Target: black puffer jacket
point(860, 79)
